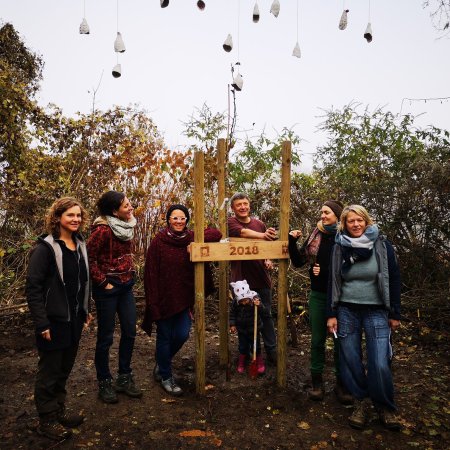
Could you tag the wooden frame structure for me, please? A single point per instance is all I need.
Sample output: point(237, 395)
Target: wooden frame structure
point(236, 249)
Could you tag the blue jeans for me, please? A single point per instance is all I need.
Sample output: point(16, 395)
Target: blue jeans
point(268, 329)
point(171, 334)
point(118, 300)
point(376, 382)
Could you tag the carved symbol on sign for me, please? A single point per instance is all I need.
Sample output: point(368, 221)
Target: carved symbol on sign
point(284, 250)
point(204, 251)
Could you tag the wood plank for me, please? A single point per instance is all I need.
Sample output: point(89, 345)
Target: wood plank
point(238, 251)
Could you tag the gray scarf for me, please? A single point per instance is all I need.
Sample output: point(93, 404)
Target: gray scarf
point(121, 229)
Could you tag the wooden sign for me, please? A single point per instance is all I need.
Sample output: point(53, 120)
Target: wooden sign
point(238, 250)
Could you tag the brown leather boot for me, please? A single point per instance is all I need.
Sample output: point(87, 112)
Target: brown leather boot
point(51, 428)
point(317, 392)
point(358, 418)
point(344, 397)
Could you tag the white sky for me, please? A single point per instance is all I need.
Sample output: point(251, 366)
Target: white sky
point(174, 60)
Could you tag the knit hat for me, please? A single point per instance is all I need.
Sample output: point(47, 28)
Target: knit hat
point(336, 206)
point(181, 208)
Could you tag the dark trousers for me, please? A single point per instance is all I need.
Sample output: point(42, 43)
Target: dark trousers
point(118, 301)
point(246, 342)
point(171, 334)
point(268, 328)
point(54, 368)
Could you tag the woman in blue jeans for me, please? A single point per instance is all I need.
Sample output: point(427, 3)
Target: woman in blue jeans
point(169, 291)
point(112, 273)
point(364, 294)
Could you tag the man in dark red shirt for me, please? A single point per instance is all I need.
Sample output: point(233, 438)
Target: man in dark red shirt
point(256, 272)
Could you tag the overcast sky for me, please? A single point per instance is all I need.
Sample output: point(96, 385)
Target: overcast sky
point(174, 60)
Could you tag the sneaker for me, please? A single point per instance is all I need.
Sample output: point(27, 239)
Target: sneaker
point(241, 363)
point(106, 392)
point(51, 428)
point(344, 397)
point(125, 383)
point(317, 392)
point(68, 420)
point(358, 418)
point(260, 365)
point(156, 375)
point(389, 420)
point(171, 387)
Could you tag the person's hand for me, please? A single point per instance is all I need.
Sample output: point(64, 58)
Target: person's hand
point(271, 234)
point(88, 321)
point(332, 325)
point(46, 335)
point(296, 234)
point(268, 264)
point(316, 269)
point(394, 324)
point(109, 286)
point(256, 301)
point(233, 329)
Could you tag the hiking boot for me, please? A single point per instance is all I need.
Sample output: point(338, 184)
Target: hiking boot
point(344, 397)
point(260, 365)
point(51, 428)
point(389, 419)
point(69, 420)
point(125, 383)
point(241, 363)
point(156, 375)
point(106, 392)
point(358, 418)
point(171, 387)
point(317, 392)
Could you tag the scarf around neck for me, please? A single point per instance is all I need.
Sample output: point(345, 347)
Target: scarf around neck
point(177, 238)
point(121, 229)
point(357, 249)
point(314, 240)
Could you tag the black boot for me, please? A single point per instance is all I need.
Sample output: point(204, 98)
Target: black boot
point(69, 420)
point(125, 383)
point(317, 392)
point(106, 391)
point(51, 428)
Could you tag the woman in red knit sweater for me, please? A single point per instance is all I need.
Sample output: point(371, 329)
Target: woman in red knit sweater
point(112, 273)
point(169, 291)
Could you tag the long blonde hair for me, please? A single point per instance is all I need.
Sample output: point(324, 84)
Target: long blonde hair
point(357, 209)
point(54, 213)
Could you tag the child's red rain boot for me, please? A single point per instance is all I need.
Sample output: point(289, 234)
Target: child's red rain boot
point(241, 364)
point(260, 365)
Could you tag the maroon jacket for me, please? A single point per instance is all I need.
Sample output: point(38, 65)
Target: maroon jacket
point(110, 259)
point(169, 275)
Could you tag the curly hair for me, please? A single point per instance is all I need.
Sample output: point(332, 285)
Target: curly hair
point(357, 209)
point(54, 213)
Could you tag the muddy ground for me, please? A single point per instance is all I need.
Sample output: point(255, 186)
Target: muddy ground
point(237, 414)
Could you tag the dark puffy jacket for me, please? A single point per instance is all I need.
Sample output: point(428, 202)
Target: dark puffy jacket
point(45, 290)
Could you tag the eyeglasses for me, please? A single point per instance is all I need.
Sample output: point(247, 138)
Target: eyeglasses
point(178, 219)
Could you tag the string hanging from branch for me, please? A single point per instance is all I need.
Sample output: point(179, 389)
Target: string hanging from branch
point(296, 52)
point(368, 32)
point(429, 99)
point(84, 27)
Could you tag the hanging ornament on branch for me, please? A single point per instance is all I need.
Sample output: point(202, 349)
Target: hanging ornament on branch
point(117, 71)
point(164, 3)
point(368, 32)
point(256, 13)
point(84, 27)
point(228, 44)
point(343, 21)
point(119, 46)
point(296, 52)
point(201, 5)
point(275, 8)
point(238, 81)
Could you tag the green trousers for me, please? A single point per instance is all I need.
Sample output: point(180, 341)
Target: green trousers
point(318, 322)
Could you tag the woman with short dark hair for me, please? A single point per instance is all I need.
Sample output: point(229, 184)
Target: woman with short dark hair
point(57, 290)
point(112, 272)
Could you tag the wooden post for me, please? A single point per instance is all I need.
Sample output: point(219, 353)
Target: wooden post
point(199, 271)
point(223, 265)
point(283, 264)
